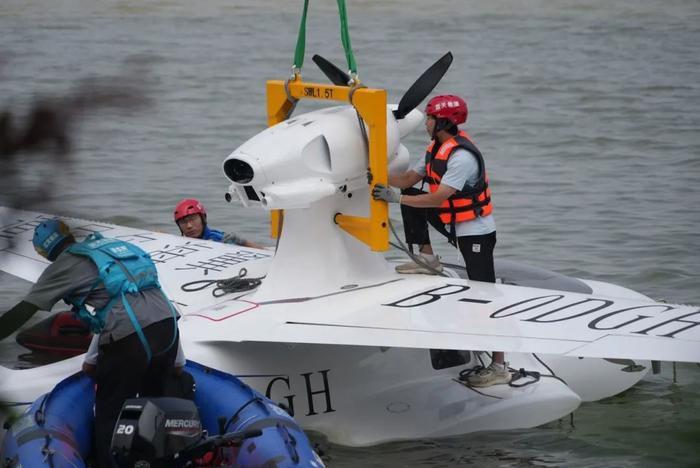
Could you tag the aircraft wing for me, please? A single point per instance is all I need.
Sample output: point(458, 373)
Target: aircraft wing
point(417, 311)
point(412, 311)
point(179, 260)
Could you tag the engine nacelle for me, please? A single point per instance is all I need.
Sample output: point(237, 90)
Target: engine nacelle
point(310, 157)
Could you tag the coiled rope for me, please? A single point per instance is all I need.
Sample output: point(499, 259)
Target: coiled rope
point(224, 286)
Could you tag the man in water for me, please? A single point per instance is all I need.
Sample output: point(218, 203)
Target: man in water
point(191, 218)
point(458, 204)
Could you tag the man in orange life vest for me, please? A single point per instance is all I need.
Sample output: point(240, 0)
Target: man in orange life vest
point(458, 205)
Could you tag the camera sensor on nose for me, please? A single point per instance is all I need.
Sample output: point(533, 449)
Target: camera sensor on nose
point(238, 171)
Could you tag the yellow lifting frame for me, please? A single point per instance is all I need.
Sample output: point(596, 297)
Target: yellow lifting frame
point(371, 104)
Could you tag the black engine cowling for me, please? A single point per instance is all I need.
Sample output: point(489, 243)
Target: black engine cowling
point(151, 432)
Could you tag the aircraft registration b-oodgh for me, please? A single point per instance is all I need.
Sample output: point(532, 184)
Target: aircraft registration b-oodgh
point(356, 350)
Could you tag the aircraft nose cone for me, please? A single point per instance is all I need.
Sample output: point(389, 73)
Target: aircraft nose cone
point(238, 171)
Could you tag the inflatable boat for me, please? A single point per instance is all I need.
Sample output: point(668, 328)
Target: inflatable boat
point(229, 424)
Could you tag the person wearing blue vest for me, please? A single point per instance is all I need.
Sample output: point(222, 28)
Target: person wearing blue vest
point(191, 218)
point(113, 287)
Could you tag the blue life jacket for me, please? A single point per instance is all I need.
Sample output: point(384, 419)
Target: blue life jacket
point(212, 234)
point(123, 269)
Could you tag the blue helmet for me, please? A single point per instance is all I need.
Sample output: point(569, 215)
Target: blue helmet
point(48, 236)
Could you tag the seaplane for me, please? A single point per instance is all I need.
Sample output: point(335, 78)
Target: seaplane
point(353, 349)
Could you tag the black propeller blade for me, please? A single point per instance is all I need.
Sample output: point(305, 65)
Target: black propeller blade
point(336, 75)
point(423, 86)
point(411, 98)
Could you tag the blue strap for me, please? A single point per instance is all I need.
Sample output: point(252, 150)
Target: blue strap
point(98, 326)
point(137, 327)
point(81, 303)
point(174, 312)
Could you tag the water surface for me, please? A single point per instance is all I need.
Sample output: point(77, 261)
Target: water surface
point(588, 114)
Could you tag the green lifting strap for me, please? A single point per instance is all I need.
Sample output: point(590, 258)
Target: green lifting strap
point(344, 37)
point(301, 40)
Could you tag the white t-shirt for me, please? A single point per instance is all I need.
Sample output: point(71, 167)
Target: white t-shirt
point(462, 167)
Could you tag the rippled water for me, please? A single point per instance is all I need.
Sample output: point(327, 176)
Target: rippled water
point(588, 114)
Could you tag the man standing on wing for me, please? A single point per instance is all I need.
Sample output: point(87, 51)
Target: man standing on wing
point(458, 205)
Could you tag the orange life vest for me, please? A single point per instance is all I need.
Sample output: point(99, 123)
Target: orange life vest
point(469, 202)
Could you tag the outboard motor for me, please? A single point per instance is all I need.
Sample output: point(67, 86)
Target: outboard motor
point(153, 432)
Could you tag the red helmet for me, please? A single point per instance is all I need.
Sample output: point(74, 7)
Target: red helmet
point(448, 106)
point(187, 207)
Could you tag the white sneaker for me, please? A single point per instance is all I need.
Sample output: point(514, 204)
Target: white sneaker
point(416, 268)
point(494, 374)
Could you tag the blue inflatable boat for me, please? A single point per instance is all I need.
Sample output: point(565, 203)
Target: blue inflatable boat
point(229, 424)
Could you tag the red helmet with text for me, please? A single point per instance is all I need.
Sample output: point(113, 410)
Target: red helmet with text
point(449, 107)
point(187, 207)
